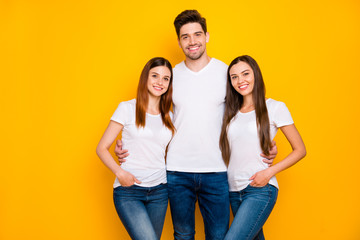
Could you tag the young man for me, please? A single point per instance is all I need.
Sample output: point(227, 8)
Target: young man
point(196, 171)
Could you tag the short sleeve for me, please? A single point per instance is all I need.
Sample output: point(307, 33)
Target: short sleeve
point(282, 116)
point(122, 113)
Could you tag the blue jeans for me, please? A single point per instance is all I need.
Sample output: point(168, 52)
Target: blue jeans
point(142, 210)
point(251, 208)
point(211, 190)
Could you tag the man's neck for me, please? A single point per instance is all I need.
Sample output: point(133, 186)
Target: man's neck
point(198, 64)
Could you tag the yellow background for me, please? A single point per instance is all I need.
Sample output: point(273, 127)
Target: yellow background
point(65, 66)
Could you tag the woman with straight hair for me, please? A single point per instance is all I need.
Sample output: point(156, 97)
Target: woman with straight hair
point(140, 189)
point(249, 125)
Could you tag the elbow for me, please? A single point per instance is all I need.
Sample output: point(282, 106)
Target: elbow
point(300, 152)
point(99, 150)
point(303, 152)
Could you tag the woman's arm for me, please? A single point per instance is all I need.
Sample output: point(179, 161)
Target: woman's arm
point(102, 150)
point(261, 178)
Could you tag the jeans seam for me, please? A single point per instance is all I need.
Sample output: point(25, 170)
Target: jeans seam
point(262, 211)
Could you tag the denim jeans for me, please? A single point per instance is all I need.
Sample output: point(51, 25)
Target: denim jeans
point(211, 190)
point(142, 210)
point(251, 208)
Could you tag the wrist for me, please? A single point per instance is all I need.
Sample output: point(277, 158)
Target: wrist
point(118, 171)
point(272, 171)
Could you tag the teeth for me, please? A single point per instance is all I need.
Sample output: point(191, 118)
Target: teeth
point(158, 88)
point(193, 48)
point(243, 86)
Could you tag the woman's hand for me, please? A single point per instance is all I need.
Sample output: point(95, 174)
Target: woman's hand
point(261, 178)
point(126, 179)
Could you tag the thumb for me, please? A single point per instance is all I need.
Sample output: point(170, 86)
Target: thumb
point(136, 180)
point(252, 177)
point(119, 143)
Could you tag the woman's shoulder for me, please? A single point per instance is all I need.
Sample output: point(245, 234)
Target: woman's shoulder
point(273, 105)
point(129, 103)
point(270, 102)
point(276, 107)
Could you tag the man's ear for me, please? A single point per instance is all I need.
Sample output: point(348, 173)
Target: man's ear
point(207, 36)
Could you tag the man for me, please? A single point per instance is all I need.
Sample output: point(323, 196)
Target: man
point(196, 171)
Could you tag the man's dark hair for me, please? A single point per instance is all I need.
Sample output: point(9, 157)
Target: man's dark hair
point(189, 16)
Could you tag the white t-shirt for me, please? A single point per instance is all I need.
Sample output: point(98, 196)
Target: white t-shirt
point(245, 159)
point(146, 160)
point(198, 99)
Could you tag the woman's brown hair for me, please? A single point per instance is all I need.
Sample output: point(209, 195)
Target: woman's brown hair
point(142, 98)
point(234, 101)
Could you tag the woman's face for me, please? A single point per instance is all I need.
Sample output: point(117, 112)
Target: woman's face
point(158, 80)
point(242, 78)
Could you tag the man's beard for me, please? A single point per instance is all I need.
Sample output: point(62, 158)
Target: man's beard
point(196, 57)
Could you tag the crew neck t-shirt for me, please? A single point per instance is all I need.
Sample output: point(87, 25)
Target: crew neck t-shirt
point(245, 159)
point(146, 160)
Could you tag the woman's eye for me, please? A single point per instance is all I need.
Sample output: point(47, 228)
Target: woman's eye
point(154, 76)
point(233, 77)
point(245, 74)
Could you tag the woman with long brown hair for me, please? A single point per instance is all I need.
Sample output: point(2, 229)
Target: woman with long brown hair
point(140, 190)
point(249, 125)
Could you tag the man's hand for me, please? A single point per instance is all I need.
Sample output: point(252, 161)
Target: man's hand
point(269, 159)
point(120, 153)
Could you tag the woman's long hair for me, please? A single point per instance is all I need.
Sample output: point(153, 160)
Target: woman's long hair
point(234, 101)
point(142, 98)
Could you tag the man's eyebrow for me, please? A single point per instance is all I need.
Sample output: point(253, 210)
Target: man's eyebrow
point(186, 34)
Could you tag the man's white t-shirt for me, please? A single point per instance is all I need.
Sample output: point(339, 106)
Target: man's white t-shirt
point(146, 146)
point(198, 99)
point(245, 159)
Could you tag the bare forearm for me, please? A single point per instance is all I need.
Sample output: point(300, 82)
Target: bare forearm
point(108, 160)
point(106, 141)
point(295, 156)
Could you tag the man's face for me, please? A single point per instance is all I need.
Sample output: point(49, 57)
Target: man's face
point(193, 40)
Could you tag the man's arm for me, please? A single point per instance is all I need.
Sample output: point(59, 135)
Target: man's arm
point(120, 153)
point(269, 159)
